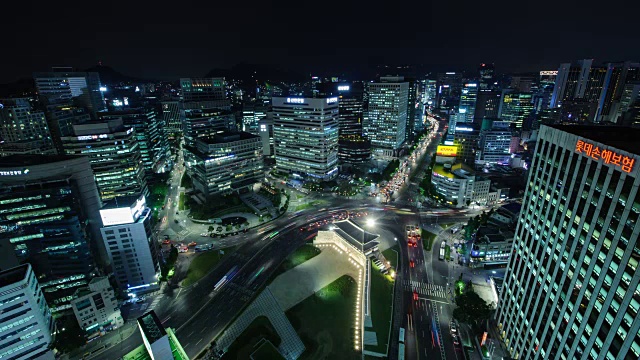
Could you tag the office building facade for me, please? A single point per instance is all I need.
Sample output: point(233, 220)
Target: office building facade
point(571, 286)
point(61, 119)
point(22, 130)
point(26, 326)
point(578, 81)
point(487, 75)
point(49, 207)
point(386, 116)
point(131, 244)
point(149, 134)
point(226, 163)
point(516, 108)
point(305, 132)
point(96, 307)
point(63, 86)
point(172, 115)
point(468, 98)
point(114, 154)
point(205, 123)
point(204, 93)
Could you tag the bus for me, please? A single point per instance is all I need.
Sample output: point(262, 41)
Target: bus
point(401, 352)
point(442, 246)
point(401, 339)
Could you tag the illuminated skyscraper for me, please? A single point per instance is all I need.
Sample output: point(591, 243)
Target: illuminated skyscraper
point(131, 243)
point(516, 107)
point(114, 154)
point(579, 81)
point(62, 86)
point(571, 286)
point(22, 130)
point(172, 114)
point(487, 75)
point(50, 208)
point(305, 132)
point(149, 134)
point(468, 99)
point(204, 93)
point(386, 116)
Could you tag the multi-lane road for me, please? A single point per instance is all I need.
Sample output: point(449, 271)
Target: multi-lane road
point(199, 313)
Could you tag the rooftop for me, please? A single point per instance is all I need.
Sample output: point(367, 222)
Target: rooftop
point(151, 327)
point(13, 161)
point(224, 136)
point(513, 208)
point(356, 235)
point(621, 137)
point(13, 275)
point(457, 171)
point(121, 201)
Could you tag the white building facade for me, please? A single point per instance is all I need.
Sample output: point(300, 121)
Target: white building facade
point(96, 307)
point(305, 133)
point(131, 244)
point(571, 290)
point(26, 324)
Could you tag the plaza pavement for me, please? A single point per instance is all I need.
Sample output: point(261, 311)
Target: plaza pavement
point(297, 284)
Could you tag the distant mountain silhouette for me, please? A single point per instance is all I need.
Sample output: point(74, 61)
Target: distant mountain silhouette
point(109, 76)
point(253, 72)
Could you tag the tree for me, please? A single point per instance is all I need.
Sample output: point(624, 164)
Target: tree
point(229, 227)
point(471, 308)
point(210, 228)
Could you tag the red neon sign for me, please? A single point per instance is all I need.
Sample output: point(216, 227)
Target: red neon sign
point(610, 157)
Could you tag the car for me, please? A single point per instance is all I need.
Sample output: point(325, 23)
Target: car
point(193, 243)
point(412, 263)
point(204, 234)
point(139, 301)
point(166, 241)
point(415, 295)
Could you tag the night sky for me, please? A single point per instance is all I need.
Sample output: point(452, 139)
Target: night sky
point(166, 40)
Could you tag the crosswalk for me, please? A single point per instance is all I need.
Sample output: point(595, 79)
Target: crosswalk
point(425, 289)
point(155, 301)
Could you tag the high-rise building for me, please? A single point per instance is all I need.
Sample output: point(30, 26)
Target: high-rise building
point(449, 86)
point(64, 86)
point(114, 154)
point(131, 244)
point(22, 130)
point(487, 75)
point(266, 136)
point(523, 82)
point(579, 81)
point(61, 119)
point(487, 105)
point(226, 162)
point(173, 114)
point(468, 98)
point(50, 217)
point(204, 93)
point(96, 307)
point(305, 132)
point(547, 77)
point(205, 123)
point(466, 137)
point(386, 116)
point(430, 93)
point(495, 143)
point(149, 134)
point(516, 107)
point(618, 75)
point(26, 324)
point(571, 286)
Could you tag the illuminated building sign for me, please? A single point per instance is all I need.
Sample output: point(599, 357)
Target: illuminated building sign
point(103, 88)
point(471, 85)
point(610, 157)
point(549, 73)
point(332, 100)
point(93, 137)
point(14, 172)
point(343, 88)
point(444, 150)
point(295, 100)
point(123, 215)
point(462, 128)
point(226, 157)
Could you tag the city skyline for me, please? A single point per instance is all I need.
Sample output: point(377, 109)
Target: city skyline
point(142, 40)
